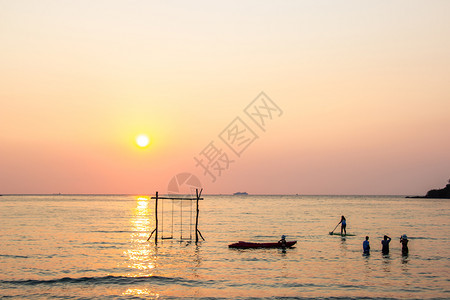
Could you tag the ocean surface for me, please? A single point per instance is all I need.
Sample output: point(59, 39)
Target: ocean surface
point(95, 246)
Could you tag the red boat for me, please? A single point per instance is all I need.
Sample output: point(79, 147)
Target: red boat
point(245, 245)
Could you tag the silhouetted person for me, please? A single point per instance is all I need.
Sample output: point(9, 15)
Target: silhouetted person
point(283, 243)
point(404, 241)
point(343, 223)
point(385, 242)
point(366, 246)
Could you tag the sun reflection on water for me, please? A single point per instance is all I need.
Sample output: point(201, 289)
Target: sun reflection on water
point(146, 259)
point(141, 256)
point(141, 292)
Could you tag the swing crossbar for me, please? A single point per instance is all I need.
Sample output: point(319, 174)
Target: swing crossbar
point(177, 198)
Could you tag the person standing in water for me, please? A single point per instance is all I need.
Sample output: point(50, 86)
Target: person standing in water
point(343, 223)
point(366, 246)
point(385, 242)
point(404, 241)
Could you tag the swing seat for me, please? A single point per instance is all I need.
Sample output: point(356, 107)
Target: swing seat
point(167, 237)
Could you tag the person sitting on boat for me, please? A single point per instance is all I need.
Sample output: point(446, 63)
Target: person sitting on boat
point(385, 242)
point(283, 241)
point(404, 241)
point(366, 246)
point(343, 223)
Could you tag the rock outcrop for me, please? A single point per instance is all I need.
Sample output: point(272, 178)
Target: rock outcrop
point(437, 194)
point(441, 193)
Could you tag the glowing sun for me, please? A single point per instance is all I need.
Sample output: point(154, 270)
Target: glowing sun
point(142, 140)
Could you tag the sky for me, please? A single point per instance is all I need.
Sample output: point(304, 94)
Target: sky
point(267, 97)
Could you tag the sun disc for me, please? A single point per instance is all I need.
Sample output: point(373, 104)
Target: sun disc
point(142, 140)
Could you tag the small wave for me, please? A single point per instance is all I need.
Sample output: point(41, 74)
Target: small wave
point(120, 280)
point(290, 298)
point(13, 256)
point(423, 238)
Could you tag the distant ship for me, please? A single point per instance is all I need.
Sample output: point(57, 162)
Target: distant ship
point(240, 194)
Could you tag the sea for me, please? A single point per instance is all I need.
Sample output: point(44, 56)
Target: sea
point(97, 247)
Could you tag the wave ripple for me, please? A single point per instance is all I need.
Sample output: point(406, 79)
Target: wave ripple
point(119, 280)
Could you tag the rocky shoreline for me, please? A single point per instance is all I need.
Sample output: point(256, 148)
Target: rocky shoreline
point(443, 193)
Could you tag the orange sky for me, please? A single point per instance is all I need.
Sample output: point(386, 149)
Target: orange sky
point(363, 89)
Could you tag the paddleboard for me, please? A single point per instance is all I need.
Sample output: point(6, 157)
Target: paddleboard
point(338, 233)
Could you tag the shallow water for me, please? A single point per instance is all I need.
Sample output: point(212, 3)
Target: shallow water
point(63, 246)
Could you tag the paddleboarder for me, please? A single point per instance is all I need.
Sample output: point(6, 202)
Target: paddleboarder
point(404, 241)
point(385, 242)
point(343, 223)
point(366, 246)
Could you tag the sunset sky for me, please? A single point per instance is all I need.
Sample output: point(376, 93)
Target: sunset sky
point(362, 90)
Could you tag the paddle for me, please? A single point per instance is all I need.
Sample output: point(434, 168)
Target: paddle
point(335, 228)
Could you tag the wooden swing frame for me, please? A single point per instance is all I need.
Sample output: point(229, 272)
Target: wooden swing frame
point(157, 198)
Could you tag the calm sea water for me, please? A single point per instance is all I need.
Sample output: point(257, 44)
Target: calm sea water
point(72, 247)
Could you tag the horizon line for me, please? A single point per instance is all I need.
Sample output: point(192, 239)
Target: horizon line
point(214, 194)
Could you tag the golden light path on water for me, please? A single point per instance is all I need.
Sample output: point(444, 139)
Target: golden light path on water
point(141, 255)
point(145, 259)
point(140, 292)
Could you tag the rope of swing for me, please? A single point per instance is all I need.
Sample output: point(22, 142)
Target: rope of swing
point(190, 223)
point(181, 221)
point(162, 218)
point(172, 219)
